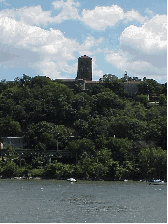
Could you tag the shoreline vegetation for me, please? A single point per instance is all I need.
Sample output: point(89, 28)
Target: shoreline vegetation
point(60, 171)
point(125, 180)
point(41, 178)
point(110, 134)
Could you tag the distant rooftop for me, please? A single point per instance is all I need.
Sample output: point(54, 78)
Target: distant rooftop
point(67, 80)
point(73, 80)
point(135, 81)
point(84, 56)
point(90, 81)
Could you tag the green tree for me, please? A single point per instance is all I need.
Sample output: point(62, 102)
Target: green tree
point(81, 128)
point(99, 88)
point(9, 127)
point(45, 135)
point(153, 163)
point(143, 99)
point(149, 87)
point(134, 110)
point(9, 170)
point(112, 82)
point(121, 148)
point(81, 146)
point(164, 90)
point(81, 105)
point(103, 102)
point(156, 131)
point(126, 127)
point(58, 170)
point(162, 99)
point(98, 126)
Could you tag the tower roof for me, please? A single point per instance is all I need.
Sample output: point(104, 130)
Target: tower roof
point(84, 56)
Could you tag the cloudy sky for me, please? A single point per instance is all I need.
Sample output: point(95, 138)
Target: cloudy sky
point(46, 37)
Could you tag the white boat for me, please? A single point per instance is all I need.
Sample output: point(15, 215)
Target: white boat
point(71, 180)
point(158, 182)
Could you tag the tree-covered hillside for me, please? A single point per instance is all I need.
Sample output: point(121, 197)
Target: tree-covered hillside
point(115, 135)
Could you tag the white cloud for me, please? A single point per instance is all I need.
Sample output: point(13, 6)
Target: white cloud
point(53, 69)
point(23, 43)
point(34, 15)
point(124, 62)
point(90, 42)
point(149, 38)
point(35, 38)
point(119, 58)
point(48, 51)
point(99, 18)
point(68, 4)
point(32, 45)
point(143, 50)
point(102, 17)
point(20, 34)
point(150, 13)
point(69, 10)
point(8, 13)
point(134, 15)
point(96, 71)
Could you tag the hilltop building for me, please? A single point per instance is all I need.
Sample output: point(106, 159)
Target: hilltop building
point(131, 87)
point(84, 74)
point(84, 68)
point(84, 77)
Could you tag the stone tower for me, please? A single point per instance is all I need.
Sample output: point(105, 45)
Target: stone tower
point(84, 68)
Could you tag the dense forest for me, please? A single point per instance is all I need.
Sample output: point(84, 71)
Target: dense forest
point(114, 135)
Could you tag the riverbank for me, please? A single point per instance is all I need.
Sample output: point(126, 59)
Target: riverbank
point(150, 181)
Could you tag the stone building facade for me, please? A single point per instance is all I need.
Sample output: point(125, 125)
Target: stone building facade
point(84, 74)
point(131, 87)
point(84, 68)
point(84, 78)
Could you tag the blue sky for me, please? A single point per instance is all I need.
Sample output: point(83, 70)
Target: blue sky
point(46, 37)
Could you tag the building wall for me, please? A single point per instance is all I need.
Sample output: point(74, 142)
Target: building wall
point(84, 68)
point(16, 142)
point(89, 84)
point(68, 82)
point(84, 77)
point(131, 87)
point(85, 84)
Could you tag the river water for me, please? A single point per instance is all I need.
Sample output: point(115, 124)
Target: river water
point(57, 201)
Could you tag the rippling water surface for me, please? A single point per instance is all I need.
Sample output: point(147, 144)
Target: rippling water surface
point(85, 201)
